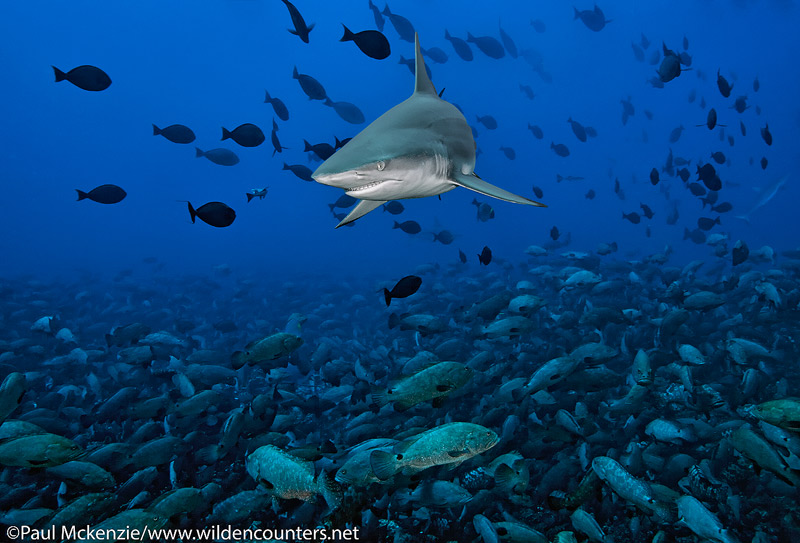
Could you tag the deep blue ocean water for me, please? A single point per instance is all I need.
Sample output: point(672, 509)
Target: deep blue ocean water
point(207, 64)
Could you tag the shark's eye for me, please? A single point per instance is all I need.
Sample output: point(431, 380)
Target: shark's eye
point(381, 165)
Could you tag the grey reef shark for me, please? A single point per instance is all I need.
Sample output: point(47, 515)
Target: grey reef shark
point(421, 147)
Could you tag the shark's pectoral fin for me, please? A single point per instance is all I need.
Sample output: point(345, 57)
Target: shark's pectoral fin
point(363, 207)
point(473, 182)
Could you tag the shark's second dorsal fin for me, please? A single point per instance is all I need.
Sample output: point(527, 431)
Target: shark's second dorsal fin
point(423, 82)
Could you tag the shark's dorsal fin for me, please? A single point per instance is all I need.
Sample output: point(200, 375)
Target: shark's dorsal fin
point(423, 82)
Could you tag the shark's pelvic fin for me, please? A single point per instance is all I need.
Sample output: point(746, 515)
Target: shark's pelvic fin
point(473, 182)
point(363, 207)
point(423, 83)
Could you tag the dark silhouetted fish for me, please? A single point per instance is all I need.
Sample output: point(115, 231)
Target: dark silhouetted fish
point(723, 207)
point(696, 236)
point(675, 135)
point(246, 135)
point(371, 42)
point(409, 227)
point(462, 257)
point(89, 78)
point(632, 217)
point(277, 105)
point(508, 43)
point(276, 143)
point(740, 252)
point(488, 45)
point(445, 237)
point(719, 157)
point(301, 29)
point(696, 189)
point(618, 189)
point(647, 211)
point(344, 201)
point(724, 87)
point(670, 66)
point(176, 133)
point(684, 174)
point(485, 257)
point(536, 131)
point(577, 129)
point(488, 121)
point(706, 224)
point(437, 55)
point(223, 157)
point(323, 150)
point(376, 14)
point(313, 88)
point(301, 171)
point(763, 163)
point(560, 178)
point(594, 19)
point(711, 119)
point(538, 192)
point(394, 207)
point(654, 176)
point(756, 85)
point(509, 152)
point(554, 233)
point(402, 25)
point(590, 194)
point(404, 288)
point(104, 194)
point(740, 104)
point(461, 47)
point(627, 110)
point(766, 134)
point(347, 111)
point(560, 149)
point(485, 211)
point(213, 213)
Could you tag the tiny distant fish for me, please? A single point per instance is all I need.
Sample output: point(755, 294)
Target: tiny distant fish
point(344, 201)
point(301, 171)
point(766, 134)
point(740, 253)
point(394, 207)
point(488, 45)
point(536, 131)
point(409, 227)
point(246, 135)
point(485, 256)
point(654, 176)
point(697, 189)
point(675, 135)
point(104, 194)
point(313, 88)
point(404, 288)
point(577, 129)
point(485, 211)
point(223, 157)
point(719, 157)
point(560, 149)
point(461, 47)
point(594, 19)
point(696, 236)
point(462, 257)
point(633, 217)
point(213, 213)
point(670, 67)
point(618, 189)
point(560, 178)
point(89, 78)
point(256, 193)
point(277, 105)
point(402, 25)
point(436, 54)
point(590, 195)
point(488, 121)
point(763, 163)
point(740, 104)
point(707, 224)
point(176, 133)
point(554, 233)
point(684, 174)
point(538, 192)
point(509, 152)
point(445, 237)
point(538, 25)
point(508, 43)
point(647, 211)
point(301, 29)
point(627, 110)
point(371, 42)
point(723, 207)
point(276, 142)
point(347, 111)
point(724, 87)
point(590, 131)
point(527, 90)
point(756, 85)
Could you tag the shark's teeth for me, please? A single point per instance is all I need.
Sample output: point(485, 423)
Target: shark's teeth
point(363, 187)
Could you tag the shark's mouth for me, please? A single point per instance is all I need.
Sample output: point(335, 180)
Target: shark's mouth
point(365, 187)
